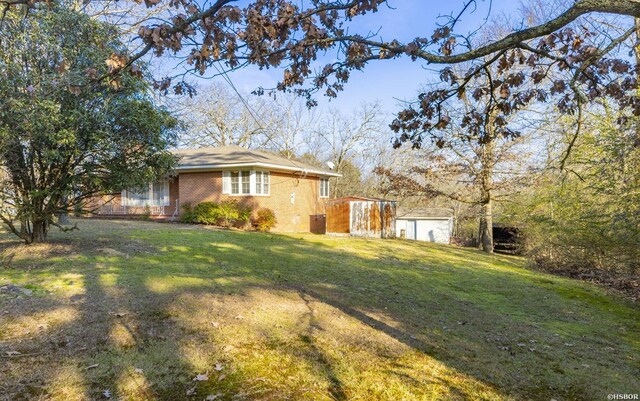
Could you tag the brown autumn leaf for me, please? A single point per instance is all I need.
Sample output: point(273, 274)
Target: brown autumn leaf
point(116, 62)
point(91, 73)
point(62, 67)
point(76, 90)
point(504, 91)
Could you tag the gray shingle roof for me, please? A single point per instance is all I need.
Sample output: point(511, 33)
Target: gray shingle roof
point(424, 212)
point(235, 156)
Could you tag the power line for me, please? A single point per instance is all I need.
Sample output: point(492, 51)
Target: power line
point(246, 104)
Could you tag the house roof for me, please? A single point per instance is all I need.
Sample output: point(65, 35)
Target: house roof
point(223, 157)
point(424, 213)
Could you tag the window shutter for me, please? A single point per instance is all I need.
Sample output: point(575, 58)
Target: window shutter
point(226, 182)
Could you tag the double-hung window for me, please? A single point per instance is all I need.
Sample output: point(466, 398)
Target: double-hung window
point(246, 182)
point(324, 187)
point(235, 183)
point(262, 183)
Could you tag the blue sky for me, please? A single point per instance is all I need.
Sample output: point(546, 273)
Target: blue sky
point(389, 80)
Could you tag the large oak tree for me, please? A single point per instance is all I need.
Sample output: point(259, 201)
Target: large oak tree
point(224, 35)
point(294, 34)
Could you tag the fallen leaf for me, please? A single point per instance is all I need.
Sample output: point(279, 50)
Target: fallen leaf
point(219, 367)
point(138, 370)
point(201, 378)
point(191, 391)
point(117, 314)
point(106, 393)
point(222, 377)
point(13, 353)
point(91, 366)
point(215, 324)
point(213, 397)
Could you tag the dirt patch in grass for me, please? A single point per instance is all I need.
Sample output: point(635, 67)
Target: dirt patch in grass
point(17, 254)
point(10, 251)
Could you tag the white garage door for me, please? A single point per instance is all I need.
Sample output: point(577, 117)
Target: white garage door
point(434, 230)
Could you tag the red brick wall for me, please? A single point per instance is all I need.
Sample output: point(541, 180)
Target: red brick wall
point(303, 214)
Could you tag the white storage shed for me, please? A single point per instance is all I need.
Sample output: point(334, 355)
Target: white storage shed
point(425, 224)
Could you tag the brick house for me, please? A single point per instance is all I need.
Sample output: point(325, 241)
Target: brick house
point(293, 190)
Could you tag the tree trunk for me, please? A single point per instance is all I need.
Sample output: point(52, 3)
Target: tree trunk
point(486, 189)
point(636, 48)
point(39, 232)
point(486, 227)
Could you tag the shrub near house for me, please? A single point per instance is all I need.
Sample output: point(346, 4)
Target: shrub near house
point(266, 220)
point(225, 214)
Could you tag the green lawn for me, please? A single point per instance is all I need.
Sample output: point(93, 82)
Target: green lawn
point(150, 311)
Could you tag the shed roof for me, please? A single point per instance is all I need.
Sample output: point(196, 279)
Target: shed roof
point(424, 213)
point(358, 198)
point(222, 157)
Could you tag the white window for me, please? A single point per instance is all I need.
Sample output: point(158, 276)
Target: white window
point(155, 194)
point(262, 183)
point(158, 192)
point(246, 182)
point(137, 197)
point(324, 187)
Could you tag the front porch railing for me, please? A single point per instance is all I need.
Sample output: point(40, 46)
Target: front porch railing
point(110, 209)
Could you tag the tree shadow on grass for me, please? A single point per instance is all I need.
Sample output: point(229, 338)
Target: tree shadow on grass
point(337, 387)
point(135, 311)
